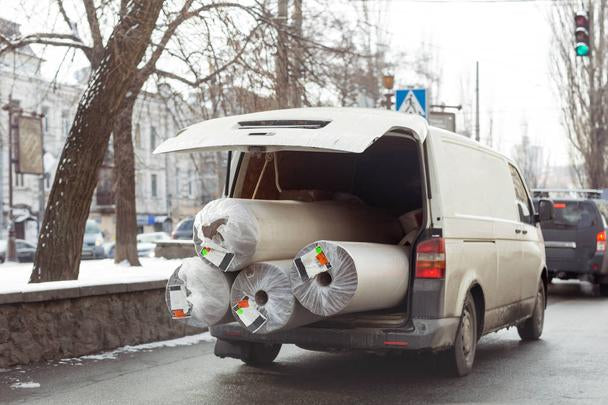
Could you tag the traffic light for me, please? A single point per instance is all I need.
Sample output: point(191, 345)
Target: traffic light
point(581, 21)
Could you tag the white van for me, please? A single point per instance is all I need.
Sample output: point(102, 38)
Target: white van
point(478, 259)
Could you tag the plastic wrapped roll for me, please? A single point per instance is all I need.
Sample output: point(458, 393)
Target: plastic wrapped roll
point(262, 300)
point(200, 292)
point(233, 233)
point(331, 278)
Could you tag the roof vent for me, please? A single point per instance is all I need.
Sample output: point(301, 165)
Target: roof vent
point(305, 124)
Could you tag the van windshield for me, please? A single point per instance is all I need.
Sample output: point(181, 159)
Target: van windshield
point(572, 215)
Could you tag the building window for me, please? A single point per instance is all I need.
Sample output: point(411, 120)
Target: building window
point(190, 182)
point(65, 123)
point(47, 181)
point(152, 138)
point(45, 111)
point(154, 186)
point(138, 135)
point(177, 180)
point(18, 180)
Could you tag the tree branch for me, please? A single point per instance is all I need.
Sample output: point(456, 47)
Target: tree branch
point(198, 82)
point(93, 21)
point(67, 40)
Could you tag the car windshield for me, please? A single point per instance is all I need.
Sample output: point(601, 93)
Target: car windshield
point(572, 215)
point(186, 225)
point(92, 227)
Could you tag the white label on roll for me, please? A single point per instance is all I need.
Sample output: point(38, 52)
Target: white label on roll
point(312, 263)
point(180, 307)
point(216, 255)
point(248, 313)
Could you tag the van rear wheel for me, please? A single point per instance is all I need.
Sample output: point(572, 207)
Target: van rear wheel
point(604, 290)
point(532, 328)
point(261, 354)
point(459, 359)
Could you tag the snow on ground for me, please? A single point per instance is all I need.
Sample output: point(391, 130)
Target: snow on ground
point(14, 276)
point(183, 341)
point(29, 384)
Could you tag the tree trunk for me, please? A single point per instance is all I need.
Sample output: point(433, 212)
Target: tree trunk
point(282, 62)
point(124, 177)
point(296, 71)
point(62, 231)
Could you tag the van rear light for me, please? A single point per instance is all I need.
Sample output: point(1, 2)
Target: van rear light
point(430, 259)
point(601, 242)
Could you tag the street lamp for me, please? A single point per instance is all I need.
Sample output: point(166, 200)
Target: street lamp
point(11, 247)
point(388, 81)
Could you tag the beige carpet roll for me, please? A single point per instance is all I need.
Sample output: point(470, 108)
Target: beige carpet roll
point(331, 278)
point(262, 300)
point(232, 233)
point(200, 292)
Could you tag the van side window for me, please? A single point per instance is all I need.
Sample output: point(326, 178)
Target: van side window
point(521, 198)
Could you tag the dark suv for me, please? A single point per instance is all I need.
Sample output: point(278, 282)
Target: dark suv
point(575, 241)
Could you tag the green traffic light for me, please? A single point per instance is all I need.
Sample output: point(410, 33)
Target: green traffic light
point(582, 50)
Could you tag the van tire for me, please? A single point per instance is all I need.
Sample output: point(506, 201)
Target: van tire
point(261, 354)
point(604, 290)
point(532, 328)
point(459, 359)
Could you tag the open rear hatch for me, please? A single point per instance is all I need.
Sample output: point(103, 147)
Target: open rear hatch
point(328, 144)
point(312, 129)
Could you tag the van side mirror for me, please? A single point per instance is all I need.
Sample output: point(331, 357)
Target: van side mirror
point(545, 210)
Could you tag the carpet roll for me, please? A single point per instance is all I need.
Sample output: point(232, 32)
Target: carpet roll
point(233, 233)
point(262, 300)
point(331, 278)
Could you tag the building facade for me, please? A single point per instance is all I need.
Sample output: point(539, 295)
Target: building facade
point(168, 187)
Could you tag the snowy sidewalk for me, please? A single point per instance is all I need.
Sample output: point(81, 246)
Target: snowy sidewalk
point(14, 276)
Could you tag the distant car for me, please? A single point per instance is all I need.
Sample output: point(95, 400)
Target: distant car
point(146, 243)
point(183, 229)
point(25, 251)
point(575, 241)
point(92, 244)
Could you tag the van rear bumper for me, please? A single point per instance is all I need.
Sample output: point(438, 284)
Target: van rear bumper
point(433, 334)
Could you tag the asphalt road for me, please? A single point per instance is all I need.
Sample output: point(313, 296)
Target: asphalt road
point(570, 364)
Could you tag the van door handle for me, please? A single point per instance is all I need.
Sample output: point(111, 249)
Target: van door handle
point(518, 231)
point(524, 232)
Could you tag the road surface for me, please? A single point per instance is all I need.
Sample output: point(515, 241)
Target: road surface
point(570, 364)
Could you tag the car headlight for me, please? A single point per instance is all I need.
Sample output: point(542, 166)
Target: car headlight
point(99, 241)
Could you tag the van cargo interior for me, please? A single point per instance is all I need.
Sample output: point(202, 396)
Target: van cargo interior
point(386, 176)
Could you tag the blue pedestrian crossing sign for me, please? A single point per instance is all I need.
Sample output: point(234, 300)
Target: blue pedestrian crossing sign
point(412, 101)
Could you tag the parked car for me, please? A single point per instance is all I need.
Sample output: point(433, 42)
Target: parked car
point(575, 241)
point(183, 229)
point(477, 260)
point(146, 243)
point(25, 251)
point(92, 244)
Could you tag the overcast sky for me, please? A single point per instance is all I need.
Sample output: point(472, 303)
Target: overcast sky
point(512, 43)
point(511, 40)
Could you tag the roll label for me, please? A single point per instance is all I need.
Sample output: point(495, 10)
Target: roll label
point(312, 263)
point(179, 305)
point(249, 315)
point(216, 255)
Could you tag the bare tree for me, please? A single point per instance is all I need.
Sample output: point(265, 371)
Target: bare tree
point(582, 84)
point(61, 234)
